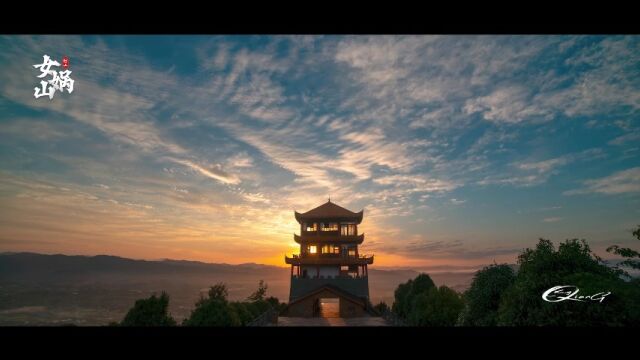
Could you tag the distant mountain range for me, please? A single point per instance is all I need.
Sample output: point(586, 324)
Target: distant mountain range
point(32, 266)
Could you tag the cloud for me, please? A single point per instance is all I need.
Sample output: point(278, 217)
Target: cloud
point(621, 182)
point(213, 172)
point(509, 105)
point(623, 139)
point(532, 173)
point(417, 183)
point(552, 219)
point(443, 249)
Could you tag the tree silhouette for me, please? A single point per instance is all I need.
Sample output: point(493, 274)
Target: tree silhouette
point(216, 310)
point(483, 296)
point(153, 311)
point(572, 263)
point(419, 302)
point(632, 256)
point(436, 307)
point(259, 294)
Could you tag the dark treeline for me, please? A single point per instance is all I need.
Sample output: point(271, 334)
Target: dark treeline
point(499, 296)
point(212, 310)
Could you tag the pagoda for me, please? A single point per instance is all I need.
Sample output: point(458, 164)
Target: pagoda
point(329, 264)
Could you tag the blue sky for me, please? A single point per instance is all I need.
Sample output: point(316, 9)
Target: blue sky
point(461, 149)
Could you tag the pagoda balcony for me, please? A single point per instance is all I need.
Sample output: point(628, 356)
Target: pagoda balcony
point(312, 237)
point(329, 259)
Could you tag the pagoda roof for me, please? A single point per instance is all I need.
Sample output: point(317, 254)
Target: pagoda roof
point(329, 211)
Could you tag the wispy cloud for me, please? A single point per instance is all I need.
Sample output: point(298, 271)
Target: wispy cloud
point(213, 172)
point(626, 181)
point(229, 138)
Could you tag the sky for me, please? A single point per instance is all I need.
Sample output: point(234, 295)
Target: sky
point(462, 150)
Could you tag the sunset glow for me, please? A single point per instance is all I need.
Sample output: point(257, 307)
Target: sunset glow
point(461, 150)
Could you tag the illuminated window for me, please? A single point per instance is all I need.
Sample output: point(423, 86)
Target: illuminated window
point(352, 252)
point(344, 268)
point(313, 249)
point(329, 227)
point(326, 249)
point(348, 229)
point(310, 226)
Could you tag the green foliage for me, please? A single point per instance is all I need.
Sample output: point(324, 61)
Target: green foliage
point(401, 304)
point(421, 303)
point(436, 307)
point(216, 310)
point(632, 257)
point(572, 264)
point(497, 296)
point(483, 296)
point(153, 311)
point(406, 293)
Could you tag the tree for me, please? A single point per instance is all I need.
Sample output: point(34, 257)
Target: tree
point(421, 303)
point(214, 310)
point(436, 307)
point(632, 256)
point(406, 293)
point(218, 291)
point(401, 299)
point(153, 311)
point(572, 264)
point(259, 294)
point(483, 296)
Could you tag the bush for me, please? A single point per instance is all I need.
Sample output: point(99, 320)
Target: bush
point(572, 264)
point(436, 307)
point(153, 311)
point(214, 310)
point(407, 292)
point(419, 302)
point(484, 294)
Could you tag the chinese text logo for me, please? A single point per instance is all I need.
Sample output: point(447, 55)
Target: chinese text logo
point(58, 81)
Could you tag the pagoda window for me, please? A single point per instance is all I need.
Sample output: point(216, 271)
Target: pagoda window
point(310, 226)
point(327, 249)
point(352, 252)
point(329, 227)
point(348, 229)
point(313, 249)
